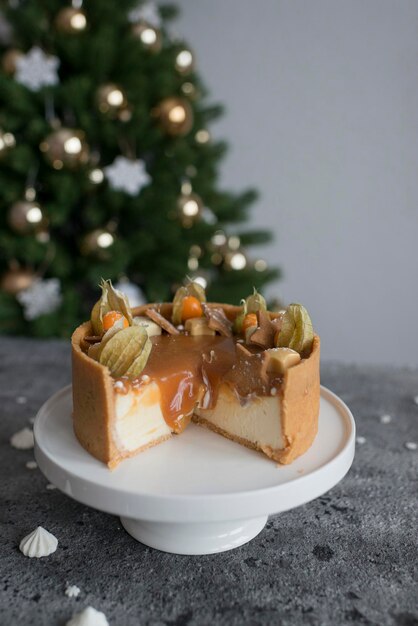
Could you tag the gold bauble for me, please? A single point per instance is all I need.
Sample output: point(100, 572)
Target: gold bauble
point(218, 241)
point(184, 62)
point(15, 280)
point(260, 265)
point(202, 278)
point(96, 176)
point(235, 260)
point(189, 90)
point(25, 217)
point(97, 242)
point(189, 209)
point(71, 20)
point(202, 136)
point(43, 236)
point(111, 100)
point(149, 36)
point(175, 116)
point(7, 141)
point(9, 60)
point(65, 147)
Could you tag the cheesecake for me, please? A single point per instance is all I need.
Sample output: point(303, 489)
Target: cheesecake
point(141, 375)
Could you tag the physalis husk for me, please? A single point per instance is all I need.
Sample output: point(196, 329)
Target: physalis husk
point(296, 330)
point(96, 349)
point(255, 302)
point(126, 352)
point(251, 304)
point(191, 289)
point(111, 300)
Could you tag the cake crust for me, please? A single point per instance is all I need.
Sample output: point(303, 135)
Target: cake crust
point(299, 400)
point(94, 402)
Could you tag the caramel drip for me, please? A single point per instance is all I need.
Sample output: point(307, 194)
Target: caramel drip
point(175, 364)
point(189, 371)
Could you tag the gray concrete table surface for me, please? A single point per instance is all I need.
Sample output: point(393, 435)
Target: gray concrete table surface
point(349, 557)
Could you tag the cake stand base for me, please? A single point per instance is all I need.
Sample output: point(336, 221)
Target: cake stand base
point(199, 493)
point(194, 538)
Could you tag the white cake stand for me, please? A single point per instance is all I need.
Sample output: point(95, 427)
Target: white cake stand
point(198, 493)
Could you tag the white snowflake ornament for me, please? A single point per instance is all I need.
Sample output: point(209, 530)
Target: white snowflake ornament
point(127, 175)
point(36, 69)
point(43, 296)
point(146, 12)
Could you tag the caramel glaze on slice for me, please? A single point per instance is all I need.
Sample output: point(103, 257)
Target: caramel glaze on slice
point(189, 371)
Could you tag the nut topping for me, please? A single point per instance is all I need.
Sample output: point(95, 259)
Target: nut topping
point(196, 326)
point(161, 321)
point(218, 321)
point(264, 335)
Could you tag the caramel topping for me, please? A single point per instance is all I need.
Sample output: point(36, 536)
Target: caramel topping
point(248, 376)
point(189, 371)
point(175, 364)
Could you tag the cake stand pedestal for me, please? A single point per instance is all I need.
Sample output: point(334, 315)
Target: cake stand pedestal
point(198, 493)
point(195, 538)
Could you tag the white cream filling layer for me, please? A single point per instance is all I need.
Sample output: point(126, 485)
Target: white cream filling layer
point(258, 421)
point(138, 418)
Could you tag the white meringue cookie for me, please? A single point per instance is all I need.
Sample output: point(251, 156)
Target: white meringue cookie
point(38, 543)
point(88, 617)
point(23, 439)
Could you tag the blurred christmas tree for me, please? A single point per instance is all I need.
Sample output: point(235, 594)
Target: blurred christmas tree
point(107, 167)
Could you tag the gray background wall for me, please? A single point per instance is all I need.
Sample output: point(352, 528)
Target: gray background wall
point(322, 116)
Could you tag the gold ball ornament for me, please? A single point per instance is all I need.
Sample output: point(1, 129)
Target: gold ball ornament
point(235, 260)
point(189, 90)
point(189, 209)
point(218, 241)
point(218, 246)
point(71, 21)
point(7, 141)
point(16, 279)
point(96, 176)
point(175, 116)
point(9, 60)
point(202, 136)
point(150, 37)
point(111, 100)
point(184, 62)
point(202, 278)
point(43, 236)
point(65, 147)
point(98, 242)
point(260, 265)
point(25, 216)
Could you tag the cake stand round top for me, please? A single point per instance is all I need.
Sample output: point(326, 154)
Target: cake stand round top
point(196, 477)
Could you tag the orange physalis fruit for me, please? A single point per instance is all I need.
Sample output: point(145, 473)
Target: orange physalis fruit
point(249, 320)
point(111, 318)
point(191, 307)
